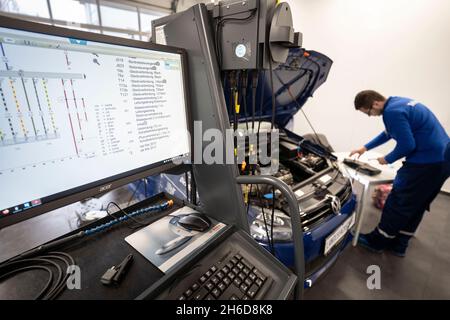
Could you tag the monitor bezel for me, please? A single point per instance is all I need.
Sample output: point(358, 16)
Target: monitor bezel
point(108, 184)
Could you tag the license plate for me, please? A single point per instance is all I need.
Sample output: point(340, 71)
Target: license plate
point(338, 234)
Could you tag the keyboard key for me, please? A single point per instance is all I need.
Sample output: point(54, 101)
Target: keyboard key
point(227, 281)
point(208, 273)
point(248, 282)
point(238, 256)
point(209, 297)
point(222, 286)
point(237, 281)
point(229, 265)
point(234, 297)
point(233, 261)
point(244, 297)
point(225, 270)
point(200, 294)
point(195, 286)
point(240, 265)
point(243, 287)
point(215, 280)
point(231, 275)
point(242, 276)
point(182, 297)
point(220, 275)
point(246, 270)
point(216, 293)
point(247, 264)
point(235, 270)
point(203, 279)
point(252, 291)
point(188, 293)
point(252, 276)
point(213, 269)
point(259, 274)
point(258, 282)
point(209, 285)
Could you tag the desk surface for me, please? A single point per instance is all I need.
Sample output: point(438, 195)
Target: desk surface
point(94, 255)
point(387, 174)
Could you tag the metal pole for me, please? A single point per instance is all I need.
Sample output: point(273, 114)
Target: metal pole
point(99, 16)
point(297, 233)
point(50, 13)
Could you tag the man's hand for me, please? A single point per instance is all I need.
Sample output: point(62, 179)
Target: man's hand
point(359, 151)
point(382, 160)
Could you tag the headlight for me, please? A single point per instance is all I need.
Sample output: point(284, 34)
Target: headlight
point(282, 228)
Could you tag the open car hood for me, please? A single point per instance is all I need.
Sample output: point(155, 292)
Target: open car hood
point(294, 83)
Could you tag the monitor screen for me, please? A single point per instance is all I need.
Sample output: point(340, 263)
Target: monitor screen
point(77, 114)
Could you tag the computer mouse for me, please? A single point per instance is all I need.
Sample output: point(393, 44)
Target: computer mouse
point(194, 221)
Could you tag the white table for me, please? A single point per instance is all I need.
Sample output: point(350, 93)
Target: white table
point(387, 175)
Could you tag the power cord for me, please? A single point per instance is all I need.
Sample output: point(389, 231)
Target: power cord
point(269, 239)
point(261, 104)
point(272, 219)
point(243, 96)
point(49, 263)
point(254, 88)
point(273, 94)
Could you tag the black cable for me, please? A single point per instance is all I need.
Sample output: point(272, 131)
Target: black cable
point(254, 87)
point(261, 102)
point(63, 283)
point(294, 80)
point(60, 274)
point(244, 80)
point(248, 199)
point(273, 93)
point(269, 240)
point(126, 214)
point(35, 263)
point(232, 81)
point(27, 261)
point(58, 288)
point(33, 267)
point(193, 188)
point(300, 76)
point(272, 219)
point(236, 101)
point(50, 290)
point(220, 23)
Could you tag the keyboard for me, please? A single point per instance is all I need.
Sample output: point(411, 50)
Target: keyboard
point(231, 278)
point(362, 167)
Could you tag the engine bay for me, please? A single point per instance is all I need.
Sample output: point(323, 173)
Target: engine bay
point(313, 175)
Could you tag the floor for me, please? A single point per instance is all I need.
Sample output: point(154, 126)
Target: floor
point(423, 274)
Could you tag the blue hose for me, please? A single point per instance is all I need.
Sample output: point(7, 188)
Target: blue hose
point(138, 212)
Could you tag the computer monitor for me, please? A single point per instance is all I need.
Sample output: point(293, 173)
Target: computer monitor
point(83, 113)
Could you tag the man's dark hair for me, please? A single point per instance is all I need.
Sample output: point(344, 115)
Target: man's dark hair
point(366, 98)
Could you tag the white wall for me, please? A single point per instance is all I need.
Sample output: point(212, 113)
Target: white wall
point(397, 47)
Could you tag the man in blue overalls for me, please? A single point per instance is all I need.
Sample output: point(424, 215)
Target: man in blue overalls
point(422, 140)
